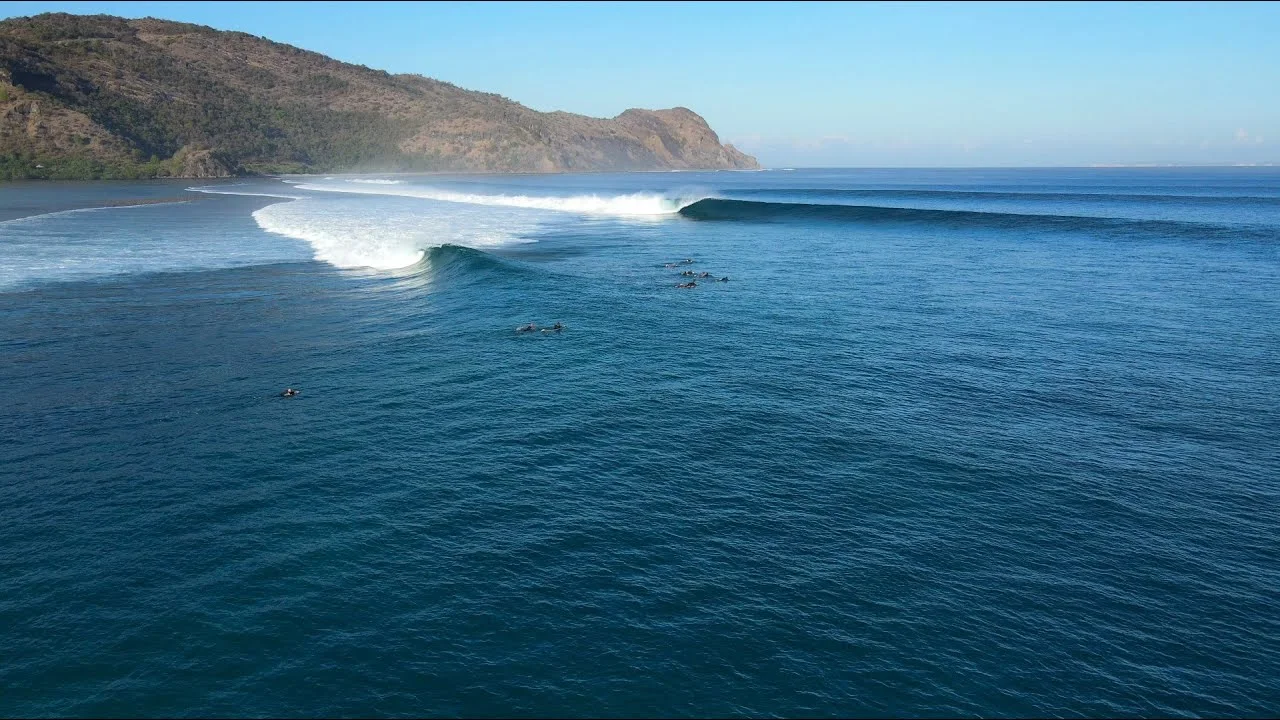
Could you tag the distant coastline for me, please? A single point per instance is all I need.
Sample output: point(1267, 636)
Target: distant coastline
point(101, 97)
point(55, 177)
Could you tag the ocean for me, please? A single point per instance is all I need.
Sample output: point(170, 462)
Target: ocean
point(963, 442)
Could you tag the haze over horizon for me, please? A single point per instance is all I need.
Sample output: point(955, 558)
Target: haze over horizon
point(876, 85)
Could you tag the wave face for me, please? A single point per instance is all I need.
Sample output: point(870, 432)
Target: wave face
point(755, 211)
point(456, 262)
point(1022, 195)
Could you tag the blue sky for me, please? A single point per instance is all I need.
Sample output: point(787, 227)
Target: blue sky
point(797, 84)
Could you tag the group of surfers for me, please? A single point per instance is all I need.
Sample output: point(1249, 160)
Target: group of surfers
point(534, 328)
point(684, 285)
point(692, 274)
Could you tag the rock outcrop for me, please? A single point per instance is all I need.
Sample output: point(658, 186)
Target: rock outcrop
point(192, 162)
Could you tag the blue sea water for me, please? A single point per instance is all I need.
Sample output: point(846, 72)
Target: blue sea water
point(947, 443)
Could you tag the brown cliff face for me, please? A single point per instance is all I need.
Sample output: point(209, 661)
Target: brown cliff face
point(121, 90)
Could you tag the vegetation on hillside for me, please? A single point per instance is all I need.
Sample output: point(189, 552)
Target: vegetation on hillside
point(105, 97)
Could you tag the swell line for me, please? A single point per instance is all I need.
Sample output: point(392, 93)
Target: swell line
point(751, 211)
point(919, 194)
point(638, 204)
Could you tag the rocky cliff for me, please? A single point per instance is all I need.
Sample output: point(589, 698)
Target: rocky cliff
point(105, 96)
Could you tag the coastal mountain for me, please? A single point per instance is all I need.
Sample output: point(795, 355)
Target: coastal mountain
point(102, 96)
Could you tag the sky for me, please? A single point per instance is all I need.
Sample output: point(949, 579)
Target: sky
point(833, 84)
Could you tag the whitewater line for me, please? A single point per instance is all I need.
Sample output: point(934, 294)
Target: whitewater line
point(638, 204)
point(57, 213)
point(211, 191)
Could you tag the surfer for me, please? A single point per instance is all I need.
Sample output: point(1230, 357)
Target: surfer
point(557, 327)
point(288, 392)
point(527, 328)
point(689, 284)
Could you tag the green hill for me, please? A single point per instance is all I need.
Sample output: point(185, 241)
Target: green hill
point(101, 96)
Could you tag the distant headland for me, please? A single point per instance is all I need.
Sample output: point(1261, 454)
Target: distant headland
point(105, 97)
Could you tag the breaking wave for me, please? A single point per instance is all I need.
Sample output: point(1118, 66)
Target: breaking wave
point(641, 204)
point(384, 234)
point(1021, 195)
point(383, 225)
point(357, 233)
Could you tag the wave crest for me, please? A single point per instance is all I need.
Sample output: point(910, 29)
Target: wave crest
point(640, 204)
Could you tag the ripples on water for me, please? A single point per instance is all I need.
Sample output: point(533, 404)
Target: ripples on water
point(983, 457)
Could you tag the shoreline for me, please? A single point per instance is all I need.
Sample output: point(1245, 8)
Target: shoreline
point(401, 173)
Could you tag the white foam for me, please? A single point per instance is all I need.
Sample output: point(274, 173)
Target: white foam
point(79, 244)
point(227, 190)
point(382, 233)
point(374, 181)
point(389, 233)
point(629, 205)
